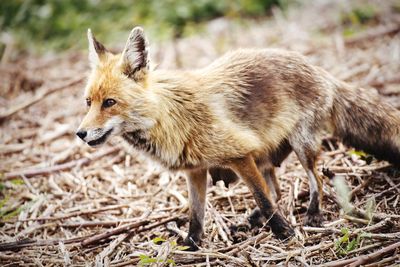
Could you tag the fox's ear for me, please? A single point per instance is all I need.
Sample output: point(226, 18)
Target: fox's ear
point(96, 50)
point(134, 59)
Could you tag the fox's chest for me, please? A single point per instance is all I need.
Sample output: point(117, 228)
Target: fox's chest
point(169, 158)
point(139, 141)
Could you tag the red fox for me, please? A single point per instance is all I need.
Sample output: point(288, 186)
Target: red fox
point(243, 113)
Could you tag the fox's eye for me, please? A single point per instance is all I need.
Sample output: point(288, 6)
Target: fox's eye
point(109, 102)
point(88, 102)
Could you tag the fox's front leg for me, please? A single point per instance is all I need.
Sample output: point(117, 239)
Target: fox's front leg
point(247, 169)
point(197, 185)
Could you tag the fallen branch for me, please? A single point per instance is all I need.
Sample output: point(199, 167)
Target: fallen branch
point(381, 83)
point(37, 98)
point(373, 33)
point(38, 243)
point(109, 223)
point(363, 259)
point(366, 230)
point(239, 246)
point(61, 167)
point(375, 255)
point(73, 214)
point(292, 253)
point(115, 231)
point(126, 228)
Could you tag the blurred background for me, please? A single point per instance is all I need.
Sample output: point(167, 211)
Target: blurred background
point(42, 26)
point(60, 25)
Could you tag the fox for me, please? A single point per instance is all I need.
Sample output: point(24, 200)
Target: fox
point(240, 116)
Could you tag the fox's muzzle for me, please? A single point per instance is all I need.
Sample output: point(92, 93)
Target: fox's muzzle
point(94, 137)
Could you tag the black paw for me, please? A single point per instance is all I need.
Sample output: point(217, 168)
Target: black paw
point(192, 243)
point(285, 232)
point(314, 220)
point(240, 232)
point(256, 219)
point(281, 227)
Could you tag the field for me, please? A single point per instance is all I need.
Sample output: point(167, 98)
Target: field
point(65, 204)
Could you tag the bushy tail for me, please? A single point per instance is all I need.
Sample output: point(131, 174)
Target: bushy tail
point(367, 123)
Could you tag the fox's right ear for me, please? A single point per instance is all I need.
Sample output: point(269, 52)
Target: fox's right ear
point(96, 50)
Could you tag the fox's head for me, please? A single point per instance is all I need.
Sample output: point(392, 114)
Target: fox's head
point(117, 96)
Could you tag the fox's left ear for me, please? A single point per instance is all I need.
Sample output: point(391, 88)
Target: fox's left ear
point(134, 59)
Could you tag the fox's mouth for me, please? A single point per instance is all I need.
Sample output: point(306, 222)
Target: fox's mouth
point(100, 140)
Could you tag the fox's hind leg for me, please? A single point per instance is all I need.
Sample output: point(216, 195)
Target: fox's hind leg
point(306, 144)
point(197, 185)
point(247, 169)
point(267, 165)
point(256, 219)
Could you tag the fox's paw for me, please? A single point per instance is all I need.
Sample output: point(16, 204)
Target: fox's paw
point(256, 219)
point(281, 227)
point(240, 232)
point(314, 220)
point(285, 232)
point(192, 243)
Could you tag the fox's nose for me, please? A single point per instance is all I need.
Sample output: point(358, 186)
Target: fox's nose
point(81, 134)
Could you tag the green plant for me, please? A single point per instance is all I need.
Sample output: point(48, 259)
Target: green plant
point(345, 243)
point(165, 259)
point(60, 25)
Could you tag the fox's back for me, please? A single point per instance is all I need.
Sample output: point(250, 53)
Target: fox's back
point(268, 91)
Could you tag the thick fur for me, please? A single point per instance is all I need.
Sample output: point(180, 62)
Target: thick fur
point(247, 107)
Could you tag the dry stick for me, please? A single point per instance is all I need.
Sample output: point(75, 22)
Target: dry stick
point(374, 255)
point(131, 262)
point(292, 253)
point(378, 226)
point(384, 261)
point(37, 98)
point(238, 261)
point(381, 193)
point(373, 33)
point(390, 181)
point(97, 223)
point(359, 187)
point(221, 226)
point(357, 261)
point(363, 214)
point(109, 223)
point(173, 227)
point(46, 170)
point(115, 231)
point(111, 247)
point(38, 243)
point(236, 247)
point(125, 228)
point(73, 214)
point(361, 168)
point(379, 83)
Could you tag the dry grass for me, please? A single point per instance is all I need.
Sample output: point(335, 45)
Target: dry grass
point(66, 204)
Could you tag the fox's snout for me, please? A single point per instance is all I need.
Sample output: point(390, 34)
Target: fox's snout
point(81, 134)
point(94, 137)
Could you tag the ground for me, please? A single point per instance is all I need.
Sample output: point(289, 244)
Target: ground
point(63, 203)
